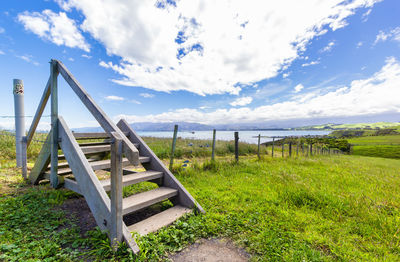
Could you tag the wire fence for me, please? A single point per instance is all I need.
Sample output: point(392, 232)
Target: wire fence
point(22, 116)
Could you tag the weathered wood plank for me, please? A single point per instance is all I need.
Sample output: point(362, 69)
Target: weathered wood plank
point(134, 178)
point(42, 161)
point(95, 195)
point(54, 125)
point(116, 190)
point(39, 112)
point(79, 136)
point(184, 198)
point(159, 220)
point(130, 150)
point(72, 185)
point(145, 199)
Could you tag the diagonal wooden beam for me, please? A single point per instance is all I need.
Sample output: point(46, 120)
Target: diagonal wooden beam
point(38, 114)
point(130, 150)
point(42, 161)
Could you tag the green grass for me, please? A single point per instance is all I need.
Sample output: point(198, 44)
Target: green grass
point(337, 208)
point(376, 140)
point(377, 146)
point(323, 208)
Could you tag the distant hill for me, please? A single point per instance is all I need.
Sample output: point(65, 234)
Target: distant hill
point(378, 125)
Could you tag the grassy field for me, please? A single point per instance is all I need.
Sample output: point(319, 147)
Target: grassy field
point(323, 208)
point(378, 146)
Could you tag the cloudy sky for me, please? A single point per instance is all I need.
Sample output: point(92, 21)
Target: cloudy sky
point(210, 62)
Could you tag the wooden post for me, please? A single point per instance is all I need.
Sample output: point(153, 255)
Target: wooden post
point(213, 145)
point(311, 152)
point(290, 149)
point(171, 162)
point(237, 146)
point(54, 124)
point(258, 149)
point(283, 147)
point(116, 190)
point(297, 148)
point(273, 145)
point(302, 148)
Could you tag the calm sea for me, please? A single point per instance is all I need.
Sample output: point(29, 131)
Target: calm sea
point(244, 136)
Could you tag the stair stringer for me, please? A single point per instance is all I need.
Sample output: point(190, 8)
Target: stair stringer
point(88, 183)
point(169, 180)
point(42, 162)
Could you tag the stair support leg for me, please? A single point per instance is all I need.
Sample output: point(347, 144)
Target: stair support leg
point(116, 190)
point(54, 125)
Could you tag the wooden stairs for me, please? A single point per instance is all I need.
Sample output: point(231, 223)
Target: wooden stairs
point(71, 164)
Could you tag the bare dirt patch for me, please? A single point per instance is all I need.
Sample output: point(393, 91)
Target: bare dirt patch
point(211, 250)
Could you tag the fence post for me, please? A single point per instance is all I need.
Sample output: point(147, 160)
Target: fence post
point(116, 190)
point(297, 148)
point(273, 145)
point(290, 149)
point(171, 162)
point(283, 147)
point(258, 149)
point(213, 145)
point(237, 146)
point(302, 148)
point(311, 152)
point(18, 91)
point(54, 124)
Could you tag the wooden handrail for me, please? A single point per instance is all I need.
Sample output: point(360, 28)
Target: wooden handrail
point(105, 122)
point(39, 112)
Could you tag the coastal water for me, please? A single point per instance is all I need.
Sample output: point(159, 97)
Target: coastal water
point(244, 136)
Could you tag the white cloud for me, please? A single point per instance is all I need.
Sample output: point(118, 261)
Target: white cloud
point(366, 15)
point(1, 52)
point(114, 98)
point(298, 88)
point(393, 34)
point(71, 59)
point(359, 44)
point(28, 58)
point(220, 43)
point(316, 62)
point(57, 28)
point(86, 56)
point(146, 95)
point(242, 101)
point(2, 30)
point(376, 94)
point(328, 48)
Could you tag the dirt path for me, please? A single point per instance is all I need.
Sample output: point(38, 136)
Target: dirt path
point(210, 250)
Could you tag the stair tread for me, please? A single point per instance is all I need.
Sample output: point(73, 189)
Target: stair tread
point(133, 178)
point(101, 164)
point(93, 148)
point(145, 199)
point(159, 220)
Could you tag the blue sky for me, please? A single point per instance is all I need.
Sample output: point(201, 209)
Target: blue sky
point(205, 61)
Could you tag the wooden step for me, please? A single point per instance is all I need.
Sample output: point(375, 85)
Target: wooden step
point(154, 223)
point(99, 135)
point(93, 148)
point(105, 142)
point(99, 165)
point(145, 199)
point(133, 178)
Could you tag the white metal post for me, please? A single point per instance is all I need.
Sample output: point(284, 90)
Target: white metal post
point(18, 91)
